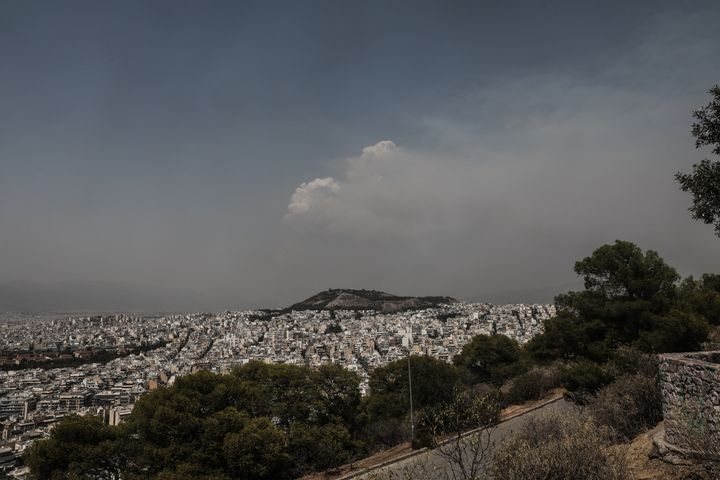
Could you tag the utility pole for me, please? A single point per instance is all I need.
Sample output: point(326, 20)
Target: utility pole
point(412, 417)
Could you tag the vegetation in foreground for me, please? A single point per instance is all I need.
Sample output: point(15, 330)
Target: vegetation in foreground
point(559, 447)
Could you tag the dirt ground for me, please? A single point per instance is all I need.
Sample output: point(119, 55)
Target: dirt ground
point(644, 465)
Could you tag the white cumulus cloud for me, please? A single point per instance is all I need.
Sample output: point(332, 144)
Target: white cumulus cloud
point(379, 149)
point(310, 193)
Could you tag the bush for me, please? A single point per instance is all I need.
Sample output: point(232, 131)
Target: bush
point(432, 384)
point(531, 385)
point(386, 432)
point(558, 447)
point(630, 405)
point(491, 358)
point(319, 448)
point(584, 376)
point(713, 340)
point(442, 428)
point(631, 361)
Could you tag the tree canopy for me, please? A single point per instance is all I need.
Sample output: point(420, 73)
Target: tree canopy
point(704, 180)
point(261, 421)
point(491, 359)
point(631, 297)
point(432, 382)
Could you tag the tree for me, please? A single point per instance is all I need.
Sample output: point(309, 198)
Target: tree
point(257, 452)
point(388, 405)
point(289, 392)
point(262, 421)
point(491, 358)
point(432, 383)
point(78, 447)
point(702, 296)
point(339, 393)
point(446, 428)
point(460, 432)
point(319, 448)
point(631, 297)
point(704, 181)
point(622, 271)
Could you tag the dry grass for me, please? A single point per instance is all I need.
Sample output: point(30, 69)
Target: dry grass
point(558, 447)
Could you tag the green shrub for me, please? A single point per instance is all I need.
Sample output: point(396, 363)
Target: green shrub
point(584, 376)
point(491, 359)
point(319, 448)
point(531, 385)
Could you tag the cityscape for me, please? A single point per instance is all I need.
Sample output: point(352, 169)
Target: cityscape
point(32, 400)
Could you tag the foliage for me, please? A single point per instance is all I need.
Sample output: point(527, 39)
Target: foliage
point(257, 451)
point(584, 376)
point(531, 385)
point(444, 427)
point(631, 361)
point(631, 297)
point(333, 328)
point(97, 356)
point(464, 411)
point(704, 181)
point(432, 384)
point(387, 407)
point(79, 447)
point(320, 448)
point(629, 405)
point(703, 296)
point(557, 447)
point(491, 358)
point(260, 422)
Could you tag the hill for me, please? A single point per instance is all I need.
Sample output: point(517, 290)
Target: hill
point(347, 299)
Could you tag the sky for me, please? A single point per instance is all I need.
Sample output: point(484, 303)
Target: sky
point(210, 155)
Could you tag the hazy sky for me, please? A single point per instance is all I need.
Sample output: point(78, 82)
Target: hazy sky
point(251, 153)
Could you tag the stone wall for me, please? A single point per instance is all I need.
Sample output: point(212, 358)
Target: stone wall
point(690, 384)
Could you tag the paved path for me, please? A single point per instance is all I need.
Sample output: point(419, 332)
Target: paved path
point(420, 465)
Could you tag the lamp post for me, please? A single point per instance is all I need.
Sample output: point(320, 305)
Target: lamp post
point(412, 416)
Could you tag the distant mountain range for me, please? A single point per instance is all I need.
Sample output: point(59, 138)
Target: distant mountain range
point(347, 299)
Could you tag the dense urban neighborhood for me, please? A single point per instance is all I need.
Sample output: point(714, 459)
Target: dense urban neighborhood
point(112, 360)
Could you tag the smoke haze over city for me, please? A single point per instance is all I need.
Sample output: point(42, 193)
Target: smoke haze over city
point(197, 155)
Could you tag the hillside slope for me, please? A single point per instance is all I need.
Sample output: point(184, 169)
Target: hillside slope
point(347, 299)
